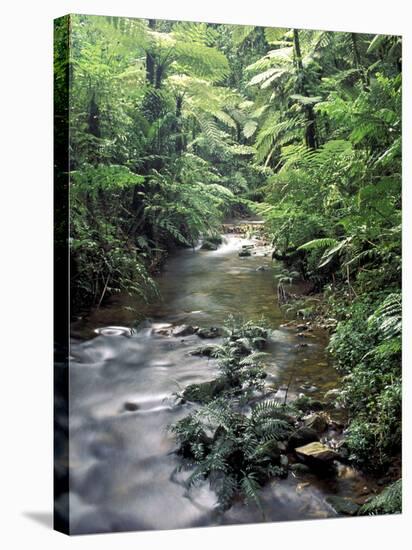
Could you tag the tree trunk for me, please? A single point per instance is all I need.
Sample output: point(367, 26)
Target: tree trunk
point(357, 61)
point(310, 132)
point(179, 142)
point(150, 60)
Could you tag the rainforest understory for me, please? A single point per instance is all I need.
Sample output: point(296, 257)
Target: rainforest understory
point(177, 127)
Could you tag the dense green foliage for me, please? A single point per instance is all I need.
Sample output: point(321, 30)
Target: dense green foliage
point(239, 360)
point(329, 137)
point(367, 348)
point(154, 157)
point(236, 452)
point(230, 441)
point(173, 125)
point(387, 502)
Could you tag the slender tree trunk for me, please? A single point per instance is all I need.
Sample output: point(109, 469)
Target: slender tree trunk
point(150, 60)
point(310, 133)
point(357, 61)
point(179, 142)
point(93, 123)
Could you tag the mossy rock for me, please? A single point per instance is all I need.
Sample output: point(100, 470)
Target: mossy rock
point(207, 391)
point(212, 332)
point(302, 436)
point(316, 452)
point(308, 404)
point(208, 245)
point(299, 468)
point(204, 351)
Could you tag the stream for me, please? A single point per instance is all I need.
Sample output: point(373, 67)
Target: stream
point(122, 380)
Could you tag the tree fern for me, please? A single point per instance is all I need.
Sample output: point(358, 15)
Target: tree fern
point(388, 316)
point(389, 501)
point(317, 244)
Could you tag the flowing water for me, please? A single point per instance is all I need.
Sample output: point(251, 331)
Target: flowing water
point(122, 461)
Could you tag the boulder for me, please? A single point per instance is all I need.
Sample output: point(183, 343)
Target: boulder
point(306, 403)
point(244, 253)
point(164, 329)
point(212, 332)
point(183, 330)
point(208, 245)
point(299, 468)
point(284, 461)
point(316, 421)
point(308, 387)
point(204, 351)
point(316, 452)
point(343, 506)
point(130, 406)
point(302, 436)
point(282, 446)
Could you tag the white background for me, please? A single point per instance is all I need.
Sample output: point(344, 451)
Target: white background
point(26, 271)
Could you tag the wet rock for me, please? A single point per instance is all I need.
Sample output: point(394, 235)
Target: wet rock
point(302, 436)
point(336, 424)
point(215, 239)
point(129, 406)
point(212, 332)
point(343, 506)
point(308, 404)
point(183, 330)
point(316, 421)
point(282, 446)
point(302, 345)
point(299, 468)
point(308, 387)
point(164, 329)
point(280, 394)
point(331, 395)
point(204, 351)
point(284, 461)
point(271, 450)
point(384, 481)
point(316, 452)
point(208, 245)
point(261, 268)
point(244, 253)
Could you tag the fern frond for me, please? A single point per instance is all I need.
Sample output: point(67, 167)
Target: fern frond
point(389, 501)
point(254, 358)
point(317, 244)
